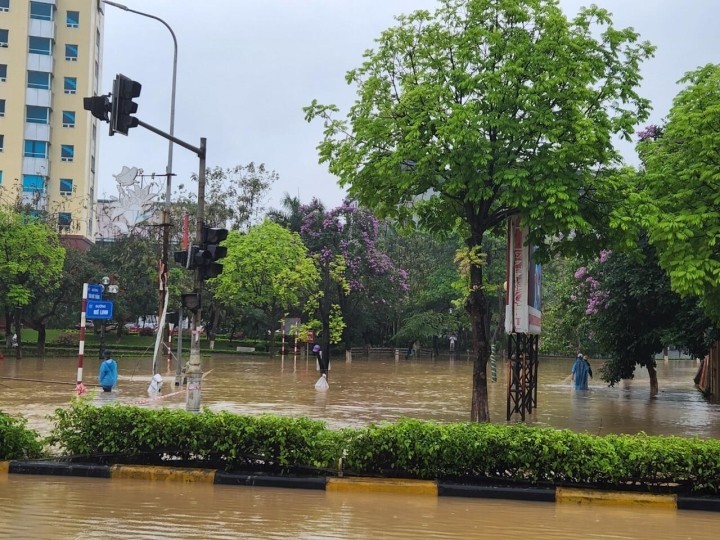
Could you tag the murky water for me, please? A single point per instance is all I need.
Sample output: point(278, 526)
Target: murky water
point(378, 389)
point(360, 392)
point(63, 508)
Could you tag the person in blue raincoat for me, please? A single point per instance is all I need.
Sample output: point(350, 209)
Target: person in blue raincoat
point(580, 372)
point(108, 372)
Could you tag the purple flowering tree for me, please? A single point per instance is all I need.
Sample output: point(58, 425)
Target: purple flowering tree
point(357, 273)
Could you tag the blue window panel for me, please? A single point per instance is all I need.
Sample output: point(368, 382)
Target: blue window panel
point(2, 107)
point(68, 119)
point(71, 52)
point(64, 220)
point(70, 85)
point(37, 115)
point(72, 20)
point(0, 178)
point(66, 186)
point(67, 152)
point(38, 149)
point(4, 37)
point(33, 183)
point(40, 45)
point(4, 5)
point(3, 71)
point(39, 79)
point(41, 10)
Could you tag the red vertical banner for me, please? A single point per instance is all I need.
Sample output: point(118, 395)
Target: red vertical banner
point(186, 231)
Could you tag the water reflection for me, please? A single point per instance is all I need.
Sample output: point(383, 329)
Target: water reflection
point(377, 389)
point(60, 508)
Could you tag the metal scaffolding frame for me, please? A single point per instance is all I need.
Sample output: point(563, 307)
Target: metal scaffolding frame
point(522, 374)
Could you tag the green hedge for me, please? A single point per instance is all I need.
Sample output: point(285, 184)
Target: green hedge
point(16, 440)
point(463, 452)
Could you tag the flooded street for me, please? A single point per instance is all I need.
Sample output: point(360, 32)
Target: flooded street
point(378, 389)
point(366, 390)
point(65, 508)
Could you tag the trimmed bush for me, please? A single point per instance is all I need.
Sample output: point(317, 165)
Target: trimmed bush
point(16, 440)
point(463, 452)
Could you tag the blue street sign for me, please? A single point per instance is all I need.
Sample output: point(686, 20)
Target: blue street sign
point(95, 292)
point(99, 310)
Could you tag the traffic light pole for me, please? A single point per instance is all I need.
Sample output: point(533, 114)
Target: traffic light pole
point(193, 369)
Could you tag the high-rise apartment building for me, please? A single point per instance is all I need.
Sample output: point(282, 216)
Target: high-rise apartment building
point(50, 58)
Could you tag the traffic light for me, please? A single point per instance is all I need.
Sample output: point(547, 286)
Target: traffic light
point(124, 90)
point(99, 106)
point(207, 255)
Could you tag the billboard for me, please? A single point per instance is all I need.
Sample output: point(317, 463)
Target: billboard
point(524, 281)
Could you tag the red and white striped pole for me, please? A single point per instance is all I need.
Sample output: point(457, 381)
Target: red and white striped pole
point(80, 387)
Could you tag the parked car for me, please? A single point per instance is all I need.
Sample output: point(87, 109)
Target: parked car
point(88, 324)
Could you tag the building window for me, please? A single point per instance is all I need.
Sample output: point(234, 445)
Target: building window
point(41, 10)
point(73, 19)
point(37, 115)
point(39, 79)
point(3, 72)
point(71, 53)
point(40, 45)
point(37, 149)
point(4, 37)
point(66, 186)
point(0, 178)
point(2, 142)
point(67, 152)
point(4, 5)
point(70, 85)
point(33, 183)
point(64, 220)
point(68, 119)
point(2, 107)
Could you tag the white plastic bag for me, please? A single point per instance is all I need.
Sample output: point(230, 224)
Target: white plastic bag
point(322, 383)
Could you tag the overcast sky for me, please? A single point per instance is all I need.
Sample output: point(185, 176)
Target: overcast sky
point(247, 67)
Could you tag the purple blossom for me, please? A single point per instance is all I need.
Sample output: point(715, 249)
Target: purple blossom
point(580, 272)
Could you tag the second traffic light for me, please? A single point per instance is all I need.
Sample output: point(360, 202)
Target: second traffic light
point(206, 257)
point(124, 91)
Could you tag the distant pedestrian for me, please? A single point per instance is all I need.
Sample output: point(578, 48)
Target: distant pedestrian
point(14, 340)
point(580, 371)
point(108, 376)
point(410, 350)
point(453, 339)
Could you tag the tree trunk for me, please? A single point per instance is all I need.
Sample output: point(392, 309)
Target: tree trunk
point(18, 333)
point(653, 379)
point(42, 337)
point(477, 307)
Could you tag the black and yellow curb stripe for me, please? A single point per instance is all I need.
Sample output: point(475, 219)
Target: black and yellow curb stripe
point(564, 495)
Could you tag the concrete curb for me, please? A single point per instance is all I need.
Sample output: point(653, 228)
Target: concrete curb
point(363, 485)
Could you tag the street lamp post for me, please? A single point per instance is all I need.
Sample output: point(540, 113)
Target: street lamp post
point(168, 173)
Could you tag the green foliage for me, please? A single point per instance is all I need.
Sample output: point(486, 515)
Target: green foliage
point(16, 440)
point(31, 259)
point(679, 201)
point(471, 452)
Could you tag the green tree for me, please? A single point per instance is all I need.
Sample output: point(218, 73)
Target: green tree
point(267, 268)
point(484, 110)
point(680, 200)
point(31, 262)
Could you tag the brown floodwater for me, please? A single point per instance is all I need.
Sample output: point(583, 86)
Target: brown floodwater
point(64, 508)
point(365, 390)
point(377, 389)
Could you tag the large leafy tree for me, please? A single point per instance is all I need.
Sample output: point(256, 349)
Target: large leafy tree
point(681, 188)
point(31, 262)
point(484, 110)
point(267, 268)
